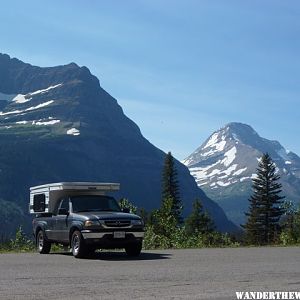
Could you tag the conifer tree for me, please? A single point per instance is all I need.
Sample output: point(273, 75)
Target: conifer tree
point(170, 187)
point(198, 221)
point(253, 227)
point(265, 204)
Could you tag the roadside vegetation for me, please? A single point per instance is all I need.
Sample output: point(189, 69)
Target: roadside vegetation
point(21, 243)
point(290, 233)
point(166, 228)
point(270, 219)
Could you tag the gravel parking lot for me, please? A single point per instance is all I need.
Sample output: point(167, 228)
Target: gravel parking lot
point(169, 274)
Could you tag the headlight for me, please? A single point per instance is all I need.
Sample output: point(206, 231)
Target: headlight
point(136, 222)
point(90, 223)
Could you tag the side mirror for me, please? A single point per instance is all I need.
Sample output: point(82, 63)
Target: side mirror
point(63, 211)
point(126, 210)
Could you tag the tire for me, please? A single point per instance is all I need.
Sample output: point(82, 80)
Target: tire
point(42, 245)
point(134, 250)
point(78, 246)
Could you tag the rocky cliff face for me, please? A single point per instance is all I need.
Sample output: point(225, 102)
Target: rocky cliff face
point(224, 165)
point(59, 124)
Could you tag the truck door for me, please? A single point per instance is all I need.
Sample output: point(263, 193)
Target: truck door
point(62, 221)
point(51, 227)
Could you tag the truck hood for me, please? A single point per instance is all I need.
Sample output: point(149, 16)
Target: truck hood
point(108, 215)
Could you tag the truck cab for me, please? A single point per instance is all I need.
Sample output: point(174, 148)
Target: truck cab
point(84, 217)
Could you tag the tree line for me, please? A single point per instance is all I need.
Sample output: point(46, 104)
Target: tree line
point(166, 227)
point(270, 218)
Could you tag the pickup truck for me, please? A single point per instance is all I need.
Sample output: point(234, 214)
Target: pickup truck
point(82, 216)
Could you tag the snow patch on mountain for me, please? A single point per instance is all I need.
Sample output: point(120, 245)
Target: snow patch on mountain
point(10, 112)
point(208, 153)
point(27, 109)
point(213, 139)
point(216, 171)
point(230, 169)
point(22, 122)
point(44, 121)
point(239, 172)
point(43, 91)
point(40, 105)
point(221, 183)
point(214, 142)
point(73, 131)
point(20, 98)
point(244, 178)
point(52, 122)
point(229, 157)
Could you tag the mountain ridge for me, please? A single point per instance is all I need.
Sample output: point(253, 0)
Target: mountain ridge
point(59, 124)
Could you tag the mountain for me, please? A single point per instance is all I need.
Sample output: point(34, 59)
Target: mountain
point(58, 124)
point(224, 165)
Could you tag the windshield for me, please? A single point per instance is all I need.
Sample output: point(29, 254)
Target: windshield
point(94, 203)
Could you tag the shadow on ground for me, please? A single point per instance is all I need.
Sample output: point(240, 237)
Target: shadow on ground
point(119, 256)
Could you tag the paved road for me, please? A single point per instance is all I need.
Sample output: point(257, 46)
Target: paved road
point(176, 274)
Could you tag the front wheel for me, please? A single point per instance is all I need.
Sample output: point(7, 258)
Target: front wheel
point(43, 246)
point(77, 245)
point(134, 250)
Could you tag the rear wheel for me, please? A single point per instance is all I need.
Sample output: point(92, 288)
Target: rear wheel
point(78, 246)
point(43, 246)
point(134, 249)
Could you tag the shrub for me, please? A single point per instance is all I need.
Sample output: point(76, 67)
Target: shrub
point(21, 243)
point(180, 239)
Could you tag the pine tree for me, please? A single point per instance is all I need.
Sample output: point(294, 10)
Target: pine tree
point(170, 187)
point(265, 204)
point(198, 221)
point(253, 227)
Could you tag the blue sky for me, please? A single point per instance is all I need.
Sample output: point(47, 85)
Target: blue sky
point(179, 69)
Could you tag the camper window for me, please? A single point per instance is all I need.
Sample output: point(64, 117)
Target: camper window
point(39, 203)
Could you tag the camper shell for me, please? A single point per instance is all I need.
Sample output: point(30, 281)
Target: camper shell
point(45, 198)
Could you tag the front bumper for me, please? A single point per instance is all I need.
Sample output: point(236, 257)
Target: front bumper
point(88, 234)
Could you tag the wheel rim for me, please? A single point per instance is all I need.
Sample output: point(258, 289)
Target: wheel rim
point(75, 244)
point(40, 241)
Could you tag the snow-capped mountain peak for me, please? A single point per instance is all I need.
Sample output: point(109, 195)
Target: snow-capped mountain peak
point(225, 164)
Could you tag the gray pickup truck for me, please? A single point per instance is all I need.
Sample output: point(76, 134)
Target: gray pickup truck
point(81, 215)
